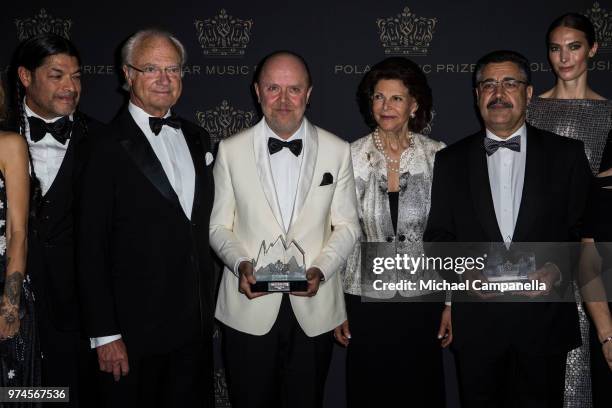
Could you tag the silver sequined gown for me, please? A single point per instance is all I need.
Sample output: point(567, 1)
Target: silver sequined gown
point(590, 121)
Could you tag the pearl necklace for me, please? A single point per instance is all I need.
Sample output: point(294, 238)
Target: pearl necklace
point(392, 164)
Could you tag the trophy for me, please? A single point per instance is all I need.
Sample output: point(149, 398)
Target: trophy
point(509, 266)
point(280, 267)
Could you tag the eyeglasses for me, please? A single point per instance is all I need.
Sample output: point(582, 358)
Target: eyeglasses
point(509, 85)
point(151, 71)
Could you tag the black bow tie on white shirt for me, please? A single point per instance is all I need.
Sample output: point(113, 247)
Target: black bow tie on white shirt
point(156, 124)
point(275, 146)
point(491, 145)
point(60, 129)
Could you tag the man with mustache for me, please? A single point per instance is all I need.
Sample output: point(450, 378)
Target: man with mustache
point(511, 183)
point(284, 177)
point(145, 272)
point(48, 88)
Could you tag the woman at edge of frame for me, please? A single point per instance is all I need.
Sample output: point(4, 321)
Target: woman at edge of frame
point(572, 109)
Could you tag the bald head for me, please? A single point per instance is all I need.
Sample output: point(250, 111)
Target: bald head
point(283, 89)
point(283, 56)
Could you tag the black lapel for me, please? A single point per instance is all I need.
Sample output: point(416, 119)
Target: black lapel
point(197, 151)
point(481, 189)
point(535, 171)
point(138, 148)
point(67, 167)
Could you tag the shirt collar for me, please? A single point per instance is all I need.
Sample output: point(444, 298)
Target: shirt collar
point(522, 132)
point(299, 134)
point(140, 116)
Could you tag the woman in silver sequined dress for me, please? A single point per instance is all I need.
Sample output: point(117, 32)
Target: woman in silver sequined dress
point(394, 344)
point(572, 109)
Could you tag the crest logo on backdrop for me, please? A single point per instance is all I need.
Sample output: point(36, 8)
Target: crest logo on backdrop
point(602, 20)
point(224, 35)
point(224, 120)
point(42, 23)
point(406, 33)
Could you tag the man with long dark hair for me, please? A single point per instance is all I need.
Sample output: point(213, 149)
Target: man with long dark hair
point(47, 91)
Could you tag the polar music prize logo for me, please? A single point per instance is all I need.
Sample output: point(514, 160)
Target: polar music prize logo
point(406, 33)
point(602, 21)
point(42, 23)
point(223, 121)
point(224, 35)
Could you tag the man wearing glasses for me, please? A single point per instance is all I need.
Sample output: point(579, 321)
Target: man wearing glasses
point(145, 273)
point(511, 183)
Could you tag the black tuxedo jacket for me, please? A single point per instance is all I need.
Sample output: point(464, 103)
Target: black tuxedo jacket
point(51, 260)
point(556, 183)
point(144, 268)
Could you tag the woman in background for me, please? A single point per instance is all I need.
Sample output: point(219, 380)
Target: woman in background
point(572, 109)
point(394, 357)
point(599, 219)
point(19, 356)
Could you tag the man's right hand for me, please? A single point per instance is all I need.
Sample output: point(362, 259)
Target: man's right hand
point(113, 358)
point(472, 275)
point(245, 269)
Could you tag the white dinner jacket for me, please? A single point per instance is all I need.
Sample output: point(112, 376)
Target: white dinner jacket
point(246, 212)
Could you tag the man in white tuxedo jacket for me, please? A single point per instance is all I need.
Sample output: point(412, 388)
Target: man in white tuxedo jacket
point(282, 177)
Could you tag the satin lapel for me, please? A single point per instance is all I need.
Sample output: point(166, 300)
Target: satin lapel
point(533, 185)
point(138, 148)
point(264, 171)
point(199, 163)
point(309, 161)
point(481, 189)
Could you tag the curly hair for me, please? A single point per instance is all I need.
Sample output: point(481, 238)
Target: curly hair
point(412, 77)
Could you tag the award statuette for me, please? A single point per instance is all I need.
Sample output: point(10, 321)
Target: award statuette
point(510, 266)
point(280, 267)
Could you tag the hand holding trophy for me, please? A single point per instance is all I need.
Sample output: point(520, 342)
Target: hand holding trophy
point(280, 267)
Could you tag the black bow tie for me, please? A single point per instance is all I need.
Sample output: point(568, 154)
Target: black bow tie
point(60, 129)
point(275, 146)
point(157, 123)
point(491, 145)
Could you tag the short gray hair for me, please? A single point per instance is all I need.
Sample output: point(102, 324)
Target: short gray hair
point(127, 51)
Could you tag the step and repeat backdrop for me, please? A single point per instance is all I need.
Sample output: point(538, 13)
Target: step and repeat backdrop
point(340, 39)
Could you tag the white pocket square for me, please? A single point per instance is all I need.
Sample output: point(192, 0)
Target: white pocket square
point(209, 158)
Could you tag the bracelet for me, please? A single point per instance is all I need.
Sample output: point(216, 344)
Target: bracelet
point(607, 339)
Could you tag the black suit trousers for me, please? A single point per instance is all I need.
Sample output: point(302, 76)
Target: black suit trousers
point(180, 378)
point(283, 368)
point(508, 378)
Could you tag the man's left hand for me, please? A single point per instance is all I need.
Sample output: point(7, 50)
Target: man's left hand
point(314, 277)
point(548, 274)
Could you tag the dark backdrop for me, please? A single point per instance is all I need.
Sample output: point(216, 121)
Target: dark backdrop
point(340, 39)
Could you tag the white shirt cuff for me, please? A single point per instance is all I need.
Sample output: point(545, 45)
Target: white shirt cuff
point(448, 298)
point(100, 341)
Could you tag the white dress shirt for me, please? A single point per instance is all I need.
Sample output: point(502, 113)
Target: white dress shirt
point(506, 178)
point(173, 153)
point(286, 173)
point(285, 168)
point(47, 154)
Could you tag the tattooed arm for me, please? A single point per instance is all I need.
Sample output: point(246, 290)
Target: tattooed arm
point(14, 167)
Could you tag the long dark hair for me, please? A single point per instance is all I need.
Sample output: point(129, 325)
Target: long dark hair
point(575, 21)
point(32, 54)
